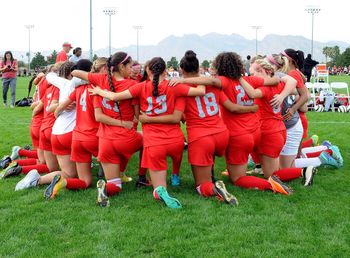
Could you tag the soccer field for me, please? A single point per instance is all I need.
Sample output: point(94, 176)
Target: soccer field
point(313, 222)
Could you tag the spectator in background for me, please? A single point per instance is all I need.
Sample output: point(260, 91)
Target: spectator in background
point(76, 55)
point(308, 65)
point(247, 65)
point(62, 56)
point(9, 68)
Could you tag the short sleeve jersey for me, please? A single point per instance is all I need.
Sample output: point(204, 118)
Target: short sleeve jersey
point(61, 56)
point(40, 91)
point(203, 113)
point(270, 116)
point(163, 104)
point(123, 111)
point(239, 124)
point(51, 93)
point(86, 126)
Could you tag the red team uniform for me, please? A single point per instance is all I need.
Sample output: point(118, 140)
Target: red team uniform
point(244, 128)
point(160, 140)
point(116, 143)
point(84, 139)
point(207, 133)
point(51, 93)
point(273, 130)
point(38, 118)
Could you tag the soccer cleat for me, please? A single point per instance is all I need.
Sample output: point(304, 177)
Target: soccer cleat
point(5, 162)
point(142, 181)
point(12, 170)
point(125, 178)
point(167, 199)
point(328, 144)
point(102, 198)
point(225, 173)
point(308, 175)
point(49, 192)
point(255, 171)
point(314, 140)
point(278, 186)
point(223, 194)
point(30, 180)
point(175, 180)
point(327, 159)
point(337, 155)
point(14, 154)
point(27, 147)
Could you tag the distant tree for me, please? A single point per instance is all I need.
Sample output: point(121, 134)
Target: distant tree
point(327, 52)
point(345, 58)
point(206, 64)
point(94, 57)
point(38, 61)
point(173, 63)
point(51, 59)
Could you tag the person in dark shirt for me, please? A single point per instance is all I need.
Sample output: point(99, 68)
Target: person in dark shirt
point(308, 65)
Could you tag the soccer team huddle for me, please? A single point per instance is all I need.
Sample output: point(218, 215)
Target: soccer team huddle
point(87, 110)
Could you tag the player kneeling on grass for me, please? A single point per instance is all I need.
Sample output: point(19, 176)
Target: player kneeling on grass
point(160, 140)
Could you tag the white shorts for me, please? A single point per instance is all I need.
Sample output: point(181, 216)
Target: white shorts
point(294, 136)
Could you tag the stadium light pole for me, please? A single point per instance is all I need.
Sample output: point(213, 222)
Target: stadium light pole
point(91, 30)
point(137, 28)
point(256, 28)
point(313, 10)
point(110, 11)
point(29, 27)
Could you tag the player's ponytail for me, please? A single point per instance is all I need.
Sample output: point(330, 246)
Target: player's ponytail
point(295, 56)
point(157, 67)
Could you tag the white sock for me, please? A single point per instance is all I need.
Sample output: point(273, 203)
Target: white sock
point(305, 151)
point(307, 162)
point(116, 181)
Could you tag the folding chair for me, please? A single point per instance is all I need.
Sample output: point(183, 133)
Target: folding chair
point(341, 85)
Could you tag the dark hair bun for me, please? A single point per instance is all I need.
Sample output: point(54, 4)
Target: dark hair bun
point(190, 55)
point(189, 63)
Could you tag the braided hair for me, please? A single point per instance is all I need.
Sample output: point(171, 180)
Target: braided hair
point(229, 64)
point(157, 66)
point(113, 63)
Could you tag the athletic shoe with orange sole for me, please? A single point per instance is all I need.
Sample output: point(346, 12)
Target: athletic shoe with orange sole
point(278, 186)
point(56, 185)
point(222, 193)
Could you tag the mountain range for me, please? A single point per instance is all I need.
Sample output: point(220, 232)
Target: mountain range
point(209, 45)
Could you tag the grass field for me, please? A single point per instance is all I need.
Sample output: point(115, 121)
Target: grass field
point(313, 222)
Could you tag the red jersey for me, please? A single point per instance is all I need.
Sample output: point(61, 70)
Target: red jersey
point(203, 114)
point(40, 91)
point(124, 112)
point(297, 76)
point(51, 93)
point(86, 126)
point(239, 124)
point(163, 104)
point(270, 117)
point(61, 56)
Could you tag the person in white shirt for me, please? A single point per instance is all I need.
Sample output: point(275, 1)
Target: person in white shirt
point(76, 55)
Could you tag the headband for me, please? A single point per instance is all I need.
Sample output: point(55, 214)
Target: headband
point(127, 56)
point(273, 61)
point(285, 54)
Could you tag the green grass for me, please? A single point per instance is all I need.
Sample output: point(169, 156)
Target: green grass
point(313, 222)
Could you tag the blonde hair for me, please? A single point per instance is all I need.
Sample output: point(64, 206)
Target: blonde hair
point(255, 58)
point(283, 63)
point(98, 64)
point(266, 65)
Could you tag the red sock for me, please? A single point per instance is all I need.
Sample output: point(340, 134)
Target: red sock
point(28, 153)
point(288, 174)
point(75, 184)
point(142, 171)
point(42, 169)
point(26, 162)
point(112, 189)
point(206, 189)
point(318, 153)
point(307, 143)
point(253, 182)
